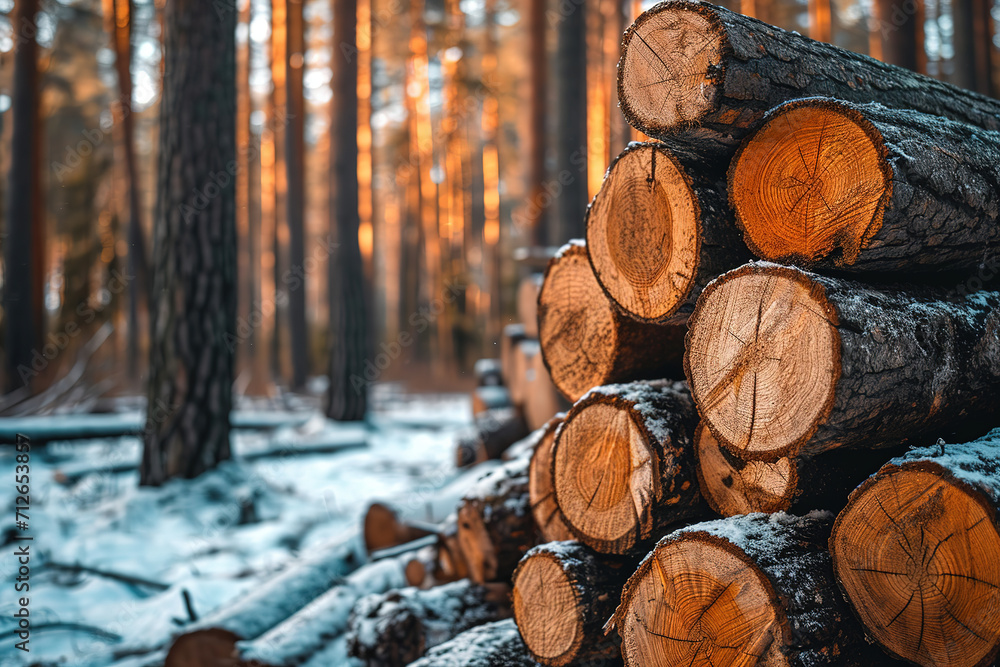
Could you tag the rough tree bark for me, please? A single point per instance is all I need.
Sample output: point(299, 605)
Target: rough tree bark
point(782, 362)
point(24, 220)
point(563, 594)
point(748, 590)
point(496, 644)
point(495, 524)
point(396, 628)
point(705, 76)
point(348, 393)
point(586, 341)
point(868, 188)
point(915, 552)
point(194, 272)
point(658, 232)
point(623, 464)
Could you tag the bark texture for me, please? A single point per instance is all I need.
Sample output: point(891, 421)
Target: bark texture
point(348, 393)
point(396, 628)
point(708, 79)
point(495, 644)
point(194, 279)
point(495, 524)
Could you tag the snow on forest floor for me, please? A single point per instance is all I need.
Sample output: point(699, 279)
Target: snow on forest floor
point(214, 537)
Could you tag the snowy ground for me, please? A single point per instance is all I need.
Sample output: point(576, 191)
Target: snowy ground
point(213, 537)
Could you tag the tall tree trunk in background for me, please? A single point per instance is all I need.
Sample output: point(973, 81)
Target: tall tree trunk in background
point(897, 35)
point(244, 335)
point(538, 70)
point(348, 394)
point(24, 247)
point(571, 66)
point(295, 150)
point(973, 40)
point(280, 348)
point(119, 15)
point(820, 27)
point(194, 270)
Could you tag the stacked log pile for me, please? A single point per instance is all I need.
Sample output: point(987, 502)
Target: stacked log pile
point(818, 382)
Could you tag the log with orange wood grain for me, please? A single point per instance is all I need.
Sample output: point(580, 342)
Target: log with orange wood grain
point(586, 341)
point(915, 550)
point(623, 465)
point(782, 362)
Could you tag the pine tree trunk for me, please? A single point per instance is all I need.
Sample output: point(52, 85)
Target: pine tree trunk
point(25, 222)
point(705, 76)
point(295, 145)
point(915, 552)
point(194, 278)
point(623, 464)
point(658, 232)
point(868, 188)
point(898, 33)
point(538, 71)
point(347, 395)
point(571, 133)
point(747, 590)
point(782, 362)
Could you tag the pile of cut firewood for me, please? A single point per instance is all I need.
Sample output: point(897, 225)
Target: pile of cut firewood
point(822, 387)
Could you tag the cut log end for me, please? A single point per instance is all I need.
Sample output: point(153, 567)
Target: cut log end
point(722, 608)
point(548, 518)
point(669, 75)
point(763, 359)
point(643, 234)
point(546, 610)
point(576, 325)
point(204, 648)
point(915, 551)
point(811, 183)
point(732, 486)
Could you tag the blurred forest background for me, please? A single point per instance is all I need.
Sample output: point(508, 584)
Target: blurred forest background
point(484, 127)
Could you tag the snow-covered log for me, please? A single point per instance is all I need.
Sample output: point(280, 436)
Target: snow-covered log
point(495, 644)
point(395, 628)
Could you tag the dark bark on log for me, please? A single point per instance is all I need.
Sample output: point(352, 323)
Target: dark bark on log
point(707, 75)
point(563, 594)
point(193, 309)
point(396, 628)
point(494, 431)
point(623, 464)
point(660, 229)
point(586, 341)
point(495, 644)
point(896, 190)
point(495, 524)
point(755, 589)
point(915, 552)
point(488, 372)
point(841, 364)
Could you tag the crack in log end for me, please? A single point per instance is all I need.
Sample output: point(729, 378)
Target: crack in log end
point(671, 66)
point(762, 360)
point(732, 486)
point(546, 610)
point(643, 233)
point(916, 554)
point(811, 184)
point(594, 476)
point(699, 603)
